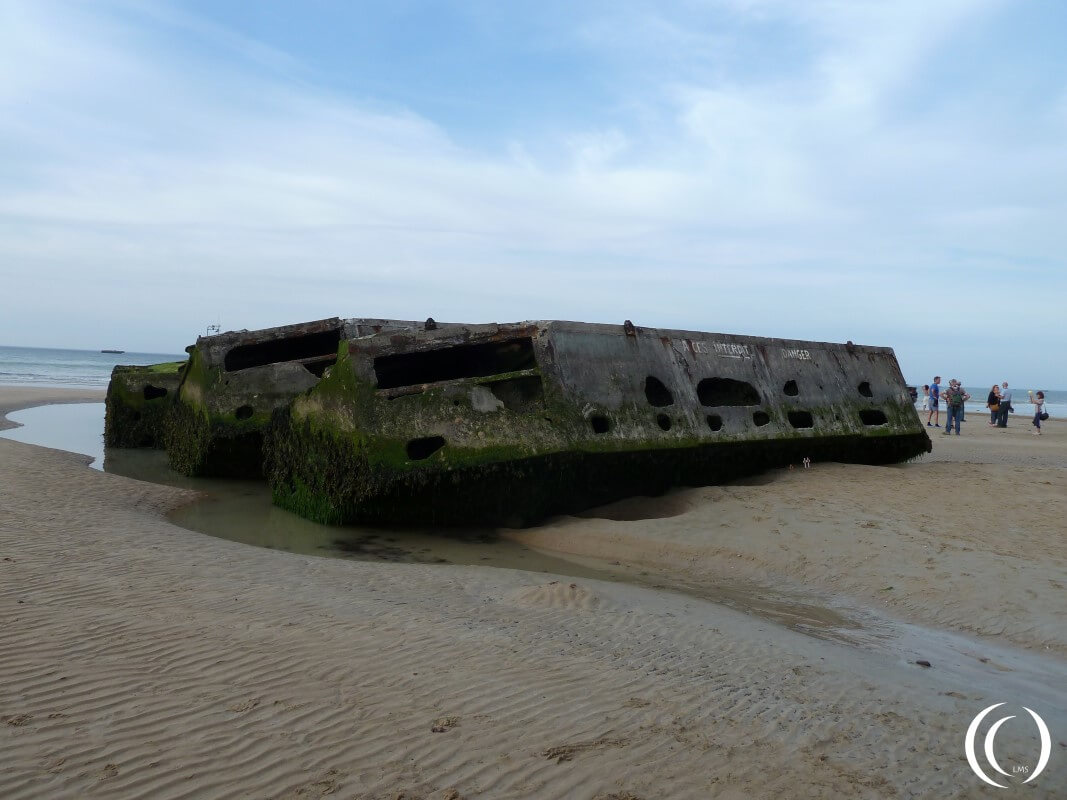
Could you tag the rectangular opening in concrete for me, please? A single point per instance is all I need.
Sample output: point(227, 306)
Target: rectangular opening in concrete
point(318, 368)
point(453, 363)
point(322, 345)
point(518, 394)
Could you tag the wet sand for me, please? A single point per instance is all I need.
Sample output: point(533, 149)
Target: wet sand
point(970, 539)
point(141, 659)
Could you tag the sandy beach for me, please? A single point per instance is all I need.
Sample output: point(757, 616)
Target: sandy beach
point(141, 659)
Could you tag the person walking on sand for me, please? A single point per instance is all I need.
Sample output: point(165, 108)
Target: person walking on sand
point(926, 397)
point(993, 404)
point(955, 397)
point(935, 397)
point(1039, 411)
point(1005, 405)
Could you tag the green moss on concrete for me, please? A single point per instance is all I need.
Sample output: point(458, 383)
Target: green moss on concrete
point(331, 477)
point(187, 437)
point(167, 368)
point(131, 419)
point(202, 442)
point(198, 380)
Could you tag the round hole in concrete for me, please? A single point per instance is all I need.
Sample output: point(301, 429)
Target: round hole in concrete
point(656, 393)
point(873, 416)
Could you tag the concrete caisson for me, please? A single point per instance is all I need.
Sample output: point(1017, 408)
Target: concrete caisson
point(506, 424)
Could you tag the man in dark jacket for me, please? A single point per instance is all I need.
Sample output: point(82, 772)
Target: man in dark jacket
point(954, 399)
point(1005, 405)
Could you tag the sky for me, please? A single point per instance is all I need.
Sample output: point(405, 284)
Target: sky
point(891, 173)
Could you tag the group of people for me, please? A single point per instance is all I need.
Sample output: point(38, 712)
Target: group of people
point(954, 397)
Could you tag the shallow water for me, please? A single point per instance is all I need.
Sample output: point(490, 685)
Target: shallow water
point(242, 511)
point(76, 427)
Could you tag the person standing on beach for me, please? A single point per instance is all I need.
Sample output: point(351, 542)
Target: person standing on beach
point(1005, 405)
point(955, 397)
point(926, 397)
point(993, 404)
point(935, 396)
point(1039, 410)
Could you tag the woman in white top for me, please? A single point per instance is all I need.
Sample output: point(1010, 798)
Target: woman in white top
point(1039, 408)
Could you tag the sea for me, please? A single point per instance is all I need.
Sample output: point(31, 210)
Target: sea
point(39, 366)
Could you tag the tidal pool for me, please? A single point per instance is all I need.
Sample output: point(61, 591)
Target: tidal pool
point(75, 427)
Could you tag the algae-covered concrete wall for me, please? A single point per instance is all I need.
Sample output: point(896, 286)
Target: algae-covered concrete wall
point(236, 380)
point(507, 423)
point(138, 402)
